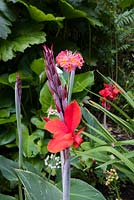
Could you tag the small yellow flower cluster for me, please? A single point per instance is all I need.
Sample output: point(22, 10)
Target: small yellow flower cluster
point(111, 176)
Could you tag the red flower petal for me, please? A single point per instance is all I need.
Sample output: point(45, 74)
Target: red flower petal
point(60, 143)
point(72, 116)
point(77, 139)
point(56, 127)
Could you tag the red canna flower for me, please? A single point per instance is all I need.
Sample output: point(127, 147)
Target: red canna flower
point(110, 93)
point(64, 134)
point(69, 61)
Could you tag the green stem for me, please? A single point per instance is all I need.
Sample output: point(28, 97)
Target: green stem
point(117, 192)
point(18, 118)
point(70, 88)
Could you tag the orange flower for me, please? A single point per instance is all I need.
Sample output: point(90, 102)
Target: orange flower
point(64, 134)
point(69, 61)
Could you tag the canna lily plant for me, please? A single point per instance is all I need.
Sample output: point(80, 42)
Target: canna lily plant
point(63, 129)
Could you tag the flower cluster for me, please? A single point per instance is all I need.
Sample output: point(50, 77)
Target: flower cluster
point(69, 61)
point(64, 131)
point(110, 93)
point(111, 176)
point(53, 161)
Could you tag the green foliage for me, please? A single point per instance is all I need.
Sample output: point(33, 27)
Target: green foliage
point(7, 168)
point(102, 31)
point(83, 80)
point(6, 19)
point(32, 144)
point(9, 48)
point(80, 189)
point(6, 197)
point(37, 188)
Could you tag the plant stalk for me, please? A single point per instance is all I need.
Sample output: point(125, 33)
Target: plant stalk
point(70, 88)
point(18, 118)
point(65, 155)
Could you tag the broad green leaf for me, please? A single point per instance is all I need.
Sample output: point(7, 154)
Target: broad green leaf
point(40, 16)
point(81, 190)
point(9, 48)
point(7, 168)
point(81, 81)
point(70, 12)
point(31, 143)
point(36, 188)
point(6, 197)
point(46, 98)
point(38, 66)
point(8, 136)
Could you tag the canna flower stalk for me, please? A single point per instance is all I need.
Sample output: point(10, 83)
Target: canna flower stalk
point(60, 98)
point(63, 129)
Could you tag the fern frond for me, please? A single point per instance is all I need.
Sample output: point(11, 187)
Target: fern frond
point(125, 18)
point(124, 47)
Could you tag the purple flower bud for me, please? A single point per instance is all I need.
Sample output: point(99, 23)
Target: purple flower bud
point(58, 91)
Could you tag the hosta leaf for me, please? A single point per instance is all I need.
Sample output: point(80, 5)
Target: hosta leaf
point(7, 168)
point(81, 81)
point(36, 188)
point(81, 190)
point(9, 48)
point(6, 197)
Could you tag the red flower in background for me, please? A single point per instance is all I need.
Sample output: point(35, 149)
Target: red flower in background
point(64, 131)
point(69, 61)
point(110, 93)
